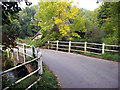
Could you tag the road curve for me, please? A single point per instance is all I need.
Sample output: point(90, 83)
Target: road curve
point(79, 71)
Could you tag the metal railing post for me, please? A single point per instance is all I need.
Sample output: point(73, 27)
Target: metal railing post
point(69, 46)
point(37, 51)
point(85, 47)
point(41, 69)
point(103, 48)
point(48, 44)
point(18, 54)
point(40, 64)
point(24, 52)
point(57, 45)
point(8, 52)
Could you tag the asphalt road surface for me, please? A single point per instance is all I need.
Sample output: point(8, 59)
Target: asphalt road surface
point(78, 71)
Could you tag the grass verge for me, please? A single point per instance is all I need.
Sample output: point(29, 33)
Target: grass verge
point(106, 56)
point(48, 80)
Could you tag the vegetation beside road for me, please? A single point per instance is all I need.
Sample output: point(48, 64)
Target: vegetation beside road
point(106, 56)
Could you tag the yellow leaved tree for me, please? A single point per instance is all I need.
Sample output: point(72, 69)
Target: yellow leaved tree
point(59, 20)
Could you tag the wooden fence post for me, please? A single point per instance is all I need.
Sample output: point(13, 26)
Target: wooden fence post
point(40, 64)
point(69, 46)
point(33, 51)
point(103, 48)
point(24, 52)
point(85, 47)
point(18, 54)
point(57, 45)
point(48, 44)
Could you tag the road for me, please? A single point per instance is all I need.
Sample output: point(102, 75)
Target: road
point(79, 71)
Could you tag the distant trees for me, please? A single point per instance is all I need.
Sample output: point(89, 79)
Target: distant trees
point(28, 24)
point(102, 23)
point(62, 21)
point(108, 19)
point(93, 33)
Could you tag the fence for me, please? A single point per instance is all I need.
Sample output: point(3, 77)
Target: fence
point(85, 47)
point(39, 70)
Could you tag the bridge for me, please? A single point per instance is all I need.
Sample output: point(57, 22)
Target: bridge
point(79, 71)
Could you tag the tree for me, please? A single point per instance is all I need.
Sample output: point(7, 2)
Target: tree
point(9, 13)
point(108, 19)
point(28, 23)
point(55, 20)
point(93, 32)
point(10, 33)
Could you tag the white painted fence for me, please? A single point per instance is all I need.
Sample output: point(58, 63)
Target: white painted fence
point(81, 45)
point(39, 70)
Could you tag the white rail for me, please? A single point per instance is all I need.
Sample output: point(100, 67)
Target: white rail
point(86, 47)
point(63, 42)
point(18, 81)
point(39, 70)
point(78, 42)
point(94, 43)
point(64, 45)
point(13, 68)
point(78, 46)
point(33, 84)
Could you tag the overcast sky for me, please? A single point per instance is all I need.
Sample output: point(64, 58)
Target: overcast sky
point(86, 4)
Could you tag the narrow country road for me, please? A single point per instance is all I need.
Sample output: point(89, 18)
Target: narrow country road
point(78, 71)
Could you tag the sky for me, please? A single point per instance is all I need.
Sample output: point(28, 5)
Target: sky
point(86, 4)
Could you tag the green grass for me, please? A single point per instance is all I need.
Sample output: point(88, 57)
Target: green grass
point(107, 56)
point(114, 57)
point(48, 80)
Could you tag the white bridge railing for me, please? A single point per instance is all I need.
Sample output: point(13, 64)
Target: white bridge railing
point(82, 47)
point(38, 59)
